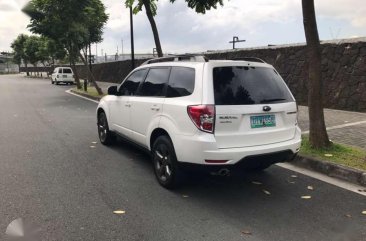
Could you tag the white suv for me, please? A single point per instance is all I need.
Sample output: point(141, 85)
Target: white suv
point(62, 75)
point(220, 115)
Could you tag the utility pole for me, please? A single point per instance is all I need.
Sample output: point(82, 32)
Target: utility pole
point(96, 53)
point(132, 41)
point(236, 40)
point(122, 48)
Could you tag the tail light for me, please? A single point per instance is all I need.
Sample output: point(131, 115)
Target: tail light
point(203, 116)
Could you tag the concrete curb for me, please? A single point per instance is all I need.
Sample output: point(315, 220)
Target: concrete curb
point(331, 169)
point(86, 95)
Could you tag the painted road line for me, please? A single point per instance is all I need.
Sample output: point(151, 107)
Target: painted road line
point(340, 126)
point(334, 181)
point(80, 96)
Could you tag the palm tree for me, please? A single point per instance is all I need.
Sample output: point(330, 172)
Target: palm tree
point(318, 136)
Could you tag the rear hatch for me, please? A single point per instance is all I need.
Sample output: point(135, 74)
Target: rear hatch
point(253, 107)
point(67, 74)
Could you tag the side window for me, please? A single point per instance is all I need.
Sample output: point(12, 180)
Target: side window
point(67, 71)
point(130, 85)
point(155, 82)
point(181, 82)
point(60, 70)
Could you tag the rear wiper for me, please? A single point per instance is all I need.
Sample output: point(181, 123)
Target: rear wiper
point(271, 100)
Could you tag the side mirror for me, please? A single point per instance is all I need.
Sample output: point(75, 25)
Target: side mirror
point(112, 90)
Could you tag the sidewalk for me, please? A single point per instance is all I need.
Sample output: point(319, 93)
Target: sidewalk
point(343, 126)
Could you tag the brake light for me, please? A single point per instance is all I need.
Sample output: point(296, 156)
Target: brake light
point(203, 116)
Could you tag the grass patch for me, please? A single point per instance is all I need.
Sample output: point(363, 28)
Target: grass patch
point(340, 154)
point(92, 91)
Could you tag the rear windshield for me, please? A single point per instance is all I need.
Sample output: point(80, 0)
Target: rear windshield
point(242, 85)
point(67, 71)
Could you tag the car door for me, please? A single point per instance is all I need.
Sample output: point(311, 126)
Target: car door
point(119, 106)
point(147, 105)
point(55, 71)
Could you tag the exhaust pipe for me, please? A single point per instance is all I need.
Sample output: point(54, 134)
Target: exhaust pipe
point(224, 172)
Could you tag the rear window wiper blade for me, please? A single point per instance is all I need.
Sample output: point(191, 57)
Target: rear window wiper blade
point(271, 100)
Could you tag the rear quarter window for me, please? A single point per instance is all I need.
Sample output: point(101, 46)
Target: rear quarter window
point(181, 82)
point(245, 85)
point(67, 71)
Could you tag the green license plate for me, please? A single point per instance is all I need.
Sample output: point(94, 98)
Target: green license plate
point(262, 121)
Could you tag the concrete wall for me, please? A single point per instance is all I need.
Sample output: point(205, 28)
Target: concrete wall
point(343, 66)
point(8, 68)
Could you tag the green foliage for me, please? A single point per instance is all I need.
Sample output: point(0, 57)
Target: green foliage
point(140, 3)
point(18, 46)
point(201, 6)
point(74, 24)
point(32, 46)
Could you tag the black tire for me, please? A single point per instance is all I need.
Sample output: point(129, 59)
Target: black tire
point(56, 82)
point(106, 137)
point(165, 162)
point(51, 81)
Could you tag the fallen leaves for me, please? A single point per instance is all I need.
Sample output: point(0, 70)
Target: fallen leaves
point(119, 212)
point(306, 197)
point(93, 142)
point(256, 183)
point(266, 192)
point(92, 147)
point(310, 188)
point(246, 232)
point(294, 176)
point(364, 212)
point(328, 155)
point(185, 196)
point(348, 215)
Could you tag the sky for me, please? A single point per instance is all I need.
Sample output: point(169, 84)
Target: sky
point(259, 22)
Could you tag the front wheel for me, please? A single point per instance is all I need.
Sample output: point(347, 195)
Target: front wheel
point(106, 137)
point(165, 163)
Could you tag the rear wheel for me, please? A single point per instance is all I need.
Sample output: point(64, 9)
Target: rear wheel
point(106, 137)
point(165, 163)
point(56, 82)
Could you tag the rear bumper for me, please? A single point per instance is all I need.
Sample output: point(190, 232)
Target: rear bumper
point(198, 148)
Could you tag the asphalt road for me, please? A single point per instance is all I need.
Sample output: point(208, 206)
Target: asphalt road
point(52, 178)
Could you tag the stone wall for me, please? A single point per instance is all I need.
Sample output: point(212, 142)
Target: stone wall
point(343, 66)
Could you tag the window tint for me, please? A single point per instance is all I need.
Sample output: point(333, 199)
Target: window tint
point(249, 85)
point(67, 71)
point(60, 71)
point(155, 82)
point(130, 85)
point(181, 82)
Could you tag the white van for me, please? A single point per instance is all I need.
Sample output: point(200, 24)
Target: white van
point(62, 75)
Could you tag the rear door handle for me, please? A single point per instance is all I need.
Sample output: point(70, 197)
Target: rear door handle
point(128, 105)
point(155, 108)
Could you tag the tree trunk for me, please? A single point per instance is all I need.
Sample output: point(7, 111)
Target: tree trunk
point(26, 67)
point(318, 136)
point(77, 79)
point(92, 79)
point(153, 27)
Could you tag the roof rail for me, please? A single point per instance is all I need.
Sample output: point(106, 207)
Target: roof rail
point(250, 59)
point(177, 58)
